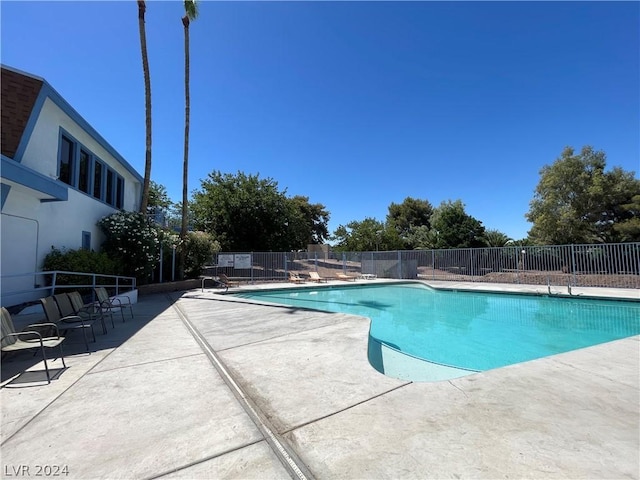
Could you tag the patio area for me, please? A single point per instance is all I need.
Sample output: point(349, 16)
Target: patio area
point(201, 385)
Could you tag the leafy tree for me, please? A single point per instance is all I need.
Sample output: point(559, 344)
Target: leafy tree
point(628, 229)
point(409, 214)
point(576, 201)
point(147, 105)
point(366, 236)
point(316, 219)
point(421, 238)
point(454, 228)
point(158, 197)
point(160, 207)
point(191, 13)
point(247, 213)
point(495, 238)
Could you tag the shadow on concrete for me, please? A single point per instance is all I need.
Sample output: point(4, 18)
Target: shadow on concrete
point(23, 368)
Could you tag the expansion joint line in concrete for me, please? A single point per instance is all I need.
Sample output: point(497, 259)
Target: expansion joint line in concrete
point(287, 457)
point(202, 460)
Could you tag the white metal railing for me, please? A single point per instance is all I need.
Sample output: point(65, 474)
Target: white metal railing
point(25, 287)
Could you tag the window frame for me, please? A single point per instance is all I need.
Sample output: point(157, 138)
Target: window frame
point(67, 178)
point(103, 182)
point(86, 240)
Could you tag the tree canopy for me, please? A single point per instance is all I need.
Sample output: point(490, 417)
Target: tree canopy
point(411, 219)
point(454, 228)
point(247, 213)
point(449, 226)
point(366, 236)
point(576, 201)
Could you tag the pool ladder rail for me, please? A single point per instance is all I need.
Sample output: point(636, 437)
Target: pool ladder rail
point(568, 290)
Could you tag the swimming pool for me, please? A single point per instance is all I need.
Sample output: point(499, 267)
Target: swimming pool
point(473, 331)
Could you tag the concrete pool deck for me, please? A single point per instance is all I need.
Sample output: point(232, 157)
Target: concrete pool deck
point(200, 385)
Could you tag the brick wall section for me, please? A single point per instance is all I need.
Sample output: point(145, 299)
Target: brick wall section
point(19, 93)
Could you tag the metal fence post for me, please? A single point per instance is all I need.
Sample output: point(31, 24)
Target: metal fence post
point(573, 261)
point(433, 264)
point(173, 263)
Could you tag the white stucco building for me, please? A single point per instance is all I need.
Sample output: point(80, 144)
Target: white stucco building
point(59, 177)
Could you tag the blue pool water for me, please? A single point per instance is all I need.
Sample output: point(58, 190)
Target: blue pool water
point(468, 330)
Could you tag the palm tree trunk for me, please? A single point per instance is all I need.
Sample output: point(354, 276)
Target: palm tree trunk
point(147, 104)
point(185, 166)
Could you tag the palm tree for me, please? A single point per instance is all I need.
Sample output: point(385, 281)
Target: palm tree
point(147, 106)
point(495, 238)
point(191, 13)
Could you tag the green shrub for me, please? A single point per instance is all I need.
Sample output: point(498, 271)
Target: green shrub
point(86, 261)
point(199, 250)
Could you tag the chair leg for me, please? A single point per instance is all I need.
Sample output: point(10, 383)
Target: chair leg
point(62, 356)
point(46, 367)
point(93, 334)
point(84, 335)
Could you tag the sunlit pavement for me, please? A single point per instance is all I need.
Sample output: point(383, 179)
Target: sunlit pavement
point(203, 385)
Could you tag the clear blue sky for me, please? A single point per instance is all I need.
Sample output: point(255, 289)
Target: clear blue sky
point(353, 104)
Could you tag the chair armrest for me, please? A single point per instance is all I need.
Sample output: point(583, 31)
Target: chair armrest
point(72, 319)
point(89, 308)
point(106, 304)
point(30, 334)
point(114, 299)
point(46, 324)
point(128, 302)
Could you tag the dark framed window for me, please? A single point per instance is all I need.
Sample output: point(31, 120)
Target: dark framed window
point(81, 169)
point(86, 240)
point(110, 186)
point(97, 180)
point(84, 179)
point(66, 173)
point(119, 192)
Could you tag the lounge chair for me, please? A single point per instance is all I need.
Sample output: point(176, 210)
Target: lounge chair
point(295, 278)
point(314, 277)
point(226, 282)
point(65, 305)
point(31, 338)
point(66, 322)
point(113, 304)
point(342, 276)
point(90, 310)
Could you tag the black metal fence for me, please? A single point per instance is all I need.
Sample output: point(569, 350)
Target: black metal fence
point(602, 265)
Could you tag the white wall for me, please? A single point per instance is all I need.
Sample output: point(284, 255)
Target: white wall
point(29, 227)
point(41, 153)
